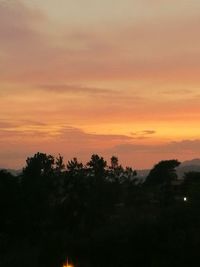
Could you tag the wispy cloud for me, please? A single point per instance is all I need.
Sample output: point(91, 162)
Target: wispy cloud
point(177, 91)
point(146, 155)
point(75, 89)
point(176, 147)
point(6, 125)
point(143, 134)
point(41, 54)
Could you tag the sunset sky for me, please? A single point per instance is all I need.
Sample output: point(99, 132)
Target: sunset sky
point(113, 77)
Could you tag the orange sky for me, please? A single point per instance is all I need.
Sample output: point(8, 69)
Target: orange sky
point(108, 77)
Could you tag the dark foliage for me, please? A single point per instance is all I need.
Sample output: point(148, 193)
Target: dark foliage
point(98, 215)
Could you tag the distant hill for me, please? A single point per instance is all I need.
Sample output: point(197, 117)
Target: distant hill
point(185, 166)
point(188, 166)
point(142, 174)
point(193, 162)
point(12, 171)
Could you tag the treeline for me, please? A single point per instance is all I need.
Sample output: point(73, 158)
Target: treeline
point(98, 214)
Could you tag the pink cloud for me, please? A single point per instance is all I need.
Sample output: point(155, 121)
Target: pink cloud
point(165, 49)
point(145, 156)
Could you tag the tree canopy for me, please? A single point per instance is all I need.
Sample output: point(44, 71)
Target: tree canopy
point(163, 173)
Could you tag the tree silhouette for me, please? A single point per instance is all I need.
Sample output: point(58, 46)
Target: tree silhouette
point(160, 180)
point(97, 165)
point(39, 164)
point(163, 173)
point(60, 166)
point(38, 192)
point(73, 165)
point(114, 162)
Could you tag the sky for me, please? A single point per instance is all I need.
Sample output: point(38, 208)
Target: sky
point(112, 77)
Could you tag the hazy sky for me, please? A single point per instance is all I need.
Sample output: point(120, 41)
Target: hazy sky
point(114, 77)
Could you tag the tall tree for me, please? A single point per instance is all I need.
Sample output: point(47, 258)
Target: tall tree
point(163, 173)
point(160, 180)
point(39, 164)
point(38, 190)
point(97, 165)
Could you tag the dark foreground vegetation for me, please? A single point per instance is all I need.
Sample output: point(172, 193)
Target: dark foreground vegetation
point(98, 215)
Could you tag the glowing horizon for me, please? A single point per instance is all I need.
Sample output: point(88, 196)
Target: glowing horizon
point(110, 77)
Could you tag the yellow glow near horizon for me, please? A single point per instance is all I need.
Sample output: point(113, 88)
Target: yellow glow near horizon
point(81, 78)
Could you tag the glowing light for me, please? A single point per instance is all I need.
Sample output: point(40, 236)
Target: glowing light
point(68, 265)
point(185, 199)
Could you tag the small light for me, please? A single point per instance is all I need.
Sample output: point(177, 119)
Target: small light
point(185, 199)
point(68, 265)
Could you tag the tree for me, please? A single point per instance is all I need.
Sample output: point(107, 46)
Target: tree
point(114, 162)
point(60, 166)
point(163, 173)
point(74, 196)
point(160, 180)
point(38, 190)
point(39, 164)
point(73, 165)
point(97, 165)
